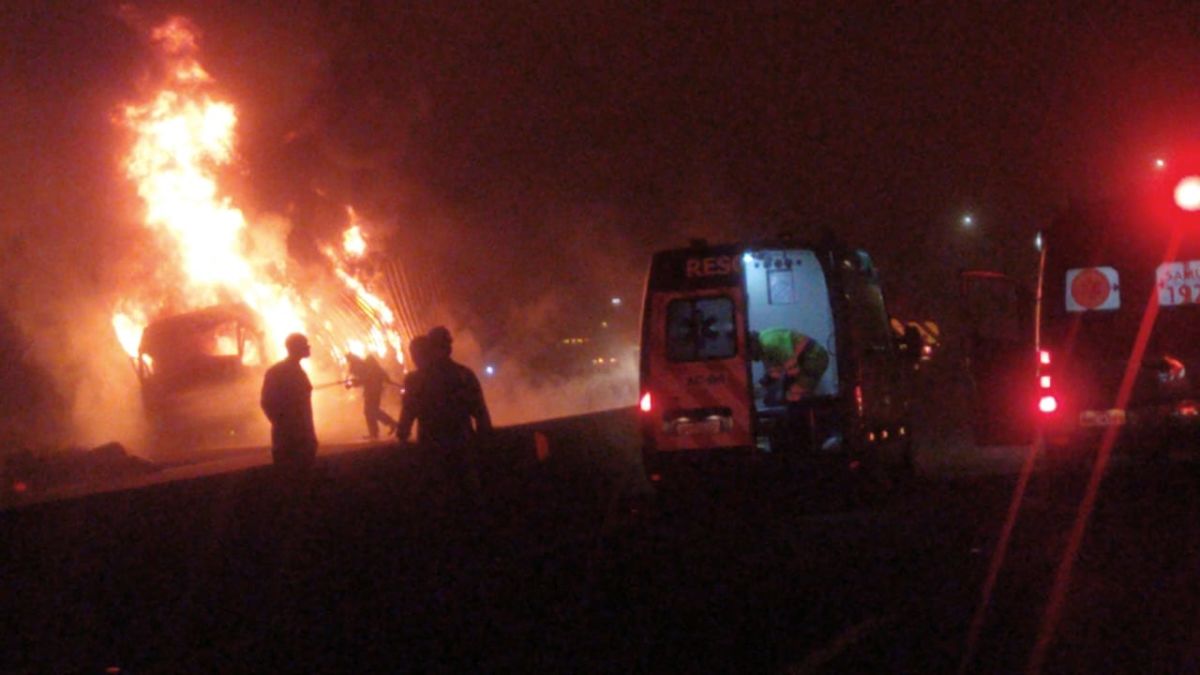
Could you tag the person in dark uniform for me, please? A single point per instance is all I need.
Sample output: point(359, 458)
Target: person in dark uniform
point(418, 356)
point(446, 400)
point(366, 372)
point(287, 401)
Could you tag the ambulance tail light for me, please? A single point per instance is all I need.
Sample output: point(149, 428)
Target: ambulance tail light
point(646, 404)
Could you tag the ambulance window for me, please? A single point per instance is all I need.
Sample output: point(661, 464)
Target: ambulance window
point(701, 329)
point(781, 287)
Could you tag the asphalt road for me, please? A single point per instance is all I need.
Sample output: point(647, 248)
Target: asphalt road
point(370, 566)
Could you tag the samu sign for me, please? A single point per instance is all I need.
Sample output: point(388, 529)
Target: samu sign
point(1178, 283)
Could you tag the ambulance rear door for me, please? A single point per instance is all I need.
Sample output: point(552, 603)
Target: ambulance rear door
point(695, 373)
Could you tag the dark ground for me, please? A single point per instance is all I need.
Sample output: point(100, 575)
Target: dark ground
point(361, 570)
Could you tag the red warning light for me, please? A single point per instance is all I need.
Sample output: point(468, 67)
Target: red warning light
point(645, 404)
point(1044, 357)
point(1187, 193)
point(1048, 404)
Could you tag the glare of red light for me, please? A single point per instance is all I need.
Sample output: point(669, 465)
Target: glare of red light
point(1187, 193)
point(645, 404)
point(1048, 404)
point(1044, 357)
point(1044, 381)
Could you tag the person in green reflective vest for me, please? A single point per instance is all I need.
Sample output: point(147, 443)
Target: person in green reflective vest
point(794, 362)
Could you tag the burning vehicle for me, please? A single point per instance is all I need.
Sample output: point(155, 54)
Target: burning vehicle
point(198, 370)
point(217, 291)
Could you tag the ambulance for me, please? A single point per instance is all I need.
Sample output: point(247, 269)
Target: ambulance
point(753, 351)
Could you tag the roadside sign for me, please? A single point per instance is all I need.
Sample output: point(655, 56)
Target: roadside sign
point(1178, 283)
point(1093, 288)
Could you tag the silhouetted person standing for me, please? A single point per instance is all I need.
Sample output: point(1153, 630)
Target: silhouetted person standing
point(445, 398)
point(411, 397)
point(287, 401)
point(366, 372)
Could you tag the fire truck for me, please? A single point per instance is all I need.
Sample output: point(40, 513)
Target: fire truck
point(200, 372)
point(776, 349)
point(1108, 341)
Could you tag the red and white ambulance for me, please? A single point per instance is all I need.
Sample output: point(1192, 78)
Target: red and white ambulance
point(768, 350)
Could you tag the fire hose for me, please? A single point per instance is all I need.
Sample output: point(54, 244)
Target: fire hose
point(347, 383)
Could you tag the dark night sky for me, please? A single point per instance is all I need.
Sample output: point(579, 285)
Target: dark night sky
point(553, 147)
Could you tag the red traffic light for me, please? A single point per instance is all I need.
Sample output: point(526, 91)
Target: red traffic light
point(1187, 193)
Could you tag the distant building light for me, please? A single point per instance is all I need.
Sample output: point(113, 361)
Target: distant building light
point(968, 220)
point(616, 302)
point(489, 370)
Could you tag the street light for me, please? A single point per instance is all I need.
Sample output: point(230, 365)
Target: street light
point(968, 220)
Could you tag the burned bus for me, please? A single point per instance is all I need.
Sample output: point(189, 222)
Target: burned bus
point(1108, 340)
point(200, 372)
point(772, 350)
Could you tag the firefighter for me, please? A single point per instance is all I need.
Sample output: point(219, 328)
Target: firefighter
point(446, 399)
point(368, 374)
point(287, 401)
point(794, 364)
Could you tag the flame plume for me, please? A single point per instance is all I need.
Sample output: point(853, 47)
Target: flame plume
point(183, 137)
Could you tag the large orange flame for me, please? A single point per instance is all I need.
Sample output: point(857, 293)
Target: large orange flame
point(383, 337)
point(183, 137)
